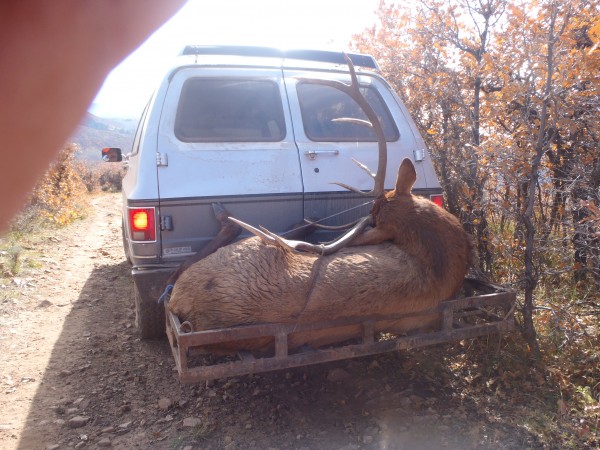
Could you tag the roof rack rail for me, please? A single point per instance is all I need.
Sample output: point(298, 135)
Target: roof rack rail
point(327, 56)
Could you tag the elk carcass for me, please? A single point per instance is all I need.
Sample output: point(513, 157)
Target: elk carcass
point(415, 255)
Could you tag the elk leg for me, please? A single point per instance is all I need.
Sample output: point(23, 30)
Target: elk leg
point(228, 232)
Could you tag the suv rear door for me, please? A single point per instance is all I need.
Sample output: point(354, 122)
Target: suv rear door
point(225, 136)
point(326, 147)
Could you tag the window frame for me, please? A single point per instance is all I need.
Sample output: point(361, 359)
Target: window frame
point(276, 101)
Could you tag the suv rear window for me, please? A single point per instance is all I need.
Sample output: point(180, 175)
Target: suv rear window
point(232, 110)
point(321, 105)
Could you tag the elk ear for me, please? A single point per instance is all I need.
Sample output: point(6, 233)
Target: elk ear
point(407, 175)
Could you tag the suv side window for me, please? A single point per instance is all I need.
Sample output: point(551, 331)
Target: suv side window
point(230, 110)
point(321, 105)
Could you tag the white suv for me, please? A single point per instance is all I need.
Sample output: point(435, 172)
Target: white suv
point(249, 127)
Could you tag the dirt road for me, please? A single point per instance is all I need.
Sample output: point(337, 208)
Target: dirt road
point(74, 374)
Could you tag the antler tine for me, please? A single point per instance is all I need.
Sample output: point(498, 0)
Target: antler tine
point(365, 168)
point(267, 237)
point(350, 188)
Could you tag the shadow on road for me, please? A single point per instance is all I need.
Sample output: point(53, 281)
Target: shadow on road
point(99, 370)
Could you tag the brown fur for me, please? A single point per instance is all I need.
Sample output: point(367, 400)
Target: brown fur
point(416, 256)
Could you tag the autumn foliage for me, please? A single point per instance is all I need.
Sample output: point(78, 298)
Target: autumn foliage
point(507, 95)
point(60, 197)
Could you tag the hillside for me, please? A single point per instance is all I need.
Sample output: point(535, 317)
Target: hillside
point(95, 133)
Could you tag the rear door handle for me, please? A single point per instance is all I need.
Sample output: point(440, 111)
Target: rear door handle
point(312, 154)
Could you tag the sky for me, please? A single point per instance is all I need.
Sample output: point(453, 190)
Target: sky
point(320, 24)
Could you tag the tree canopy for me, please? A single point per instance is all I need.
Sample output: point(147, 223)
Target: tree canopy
point(506, 95)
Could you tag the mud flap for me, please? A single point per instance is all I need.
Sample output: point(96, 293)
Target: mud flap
point(149, 314)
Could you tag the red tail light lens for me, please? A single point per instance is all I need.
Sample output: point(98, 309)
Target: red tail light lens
point(438, 199)
point(141, 224)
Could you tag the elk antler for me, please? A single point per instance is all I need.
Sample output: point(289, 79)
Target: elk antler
point(353, 90)
point(323, 249)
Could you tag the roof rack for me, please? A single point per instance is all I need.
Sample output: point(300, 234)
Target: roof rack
point(327, 56)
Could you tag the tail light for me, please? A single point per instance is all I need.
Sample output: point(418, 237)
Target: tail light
point(141, 224)
point(438, 199)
